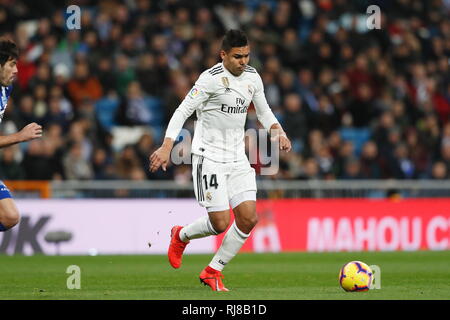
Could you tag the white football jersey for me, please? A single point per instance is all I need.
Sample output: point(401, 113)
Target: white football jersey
point(221, 100)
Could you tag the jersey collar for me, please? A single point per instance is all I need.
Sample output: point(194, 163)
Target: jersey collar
point(229, 73)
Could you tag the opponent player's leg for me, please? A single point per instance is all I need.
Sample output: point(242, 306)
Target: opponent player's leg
point(9, 214)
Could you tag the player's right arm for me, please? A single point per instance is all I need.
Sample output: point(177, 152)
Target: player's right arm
point(267, 118)
point(199, 94)
point(29, 132)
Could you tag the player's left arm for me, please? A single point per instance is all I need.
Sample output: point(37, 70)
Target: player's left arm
point(196, 97)
point(268, 119)
point(277, 134)
point(29, 132)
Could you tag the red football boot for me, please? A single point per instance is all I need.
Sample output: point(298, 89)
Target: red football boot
point(212, 278)
point(176, 247)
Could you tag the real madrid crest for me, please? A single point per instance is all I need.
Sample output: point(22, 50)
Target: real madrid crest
point(208, 196)
point(226, 84)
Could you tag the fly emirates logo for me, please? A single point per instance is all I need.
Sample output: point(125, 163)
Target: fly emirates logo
point(240, 107)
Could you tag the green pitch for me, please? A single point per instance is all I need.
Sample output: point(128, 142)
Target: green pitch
point(287, 276)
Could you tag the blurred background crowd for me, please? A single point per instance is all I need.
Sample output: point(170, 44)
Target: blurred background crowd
point(356, 103)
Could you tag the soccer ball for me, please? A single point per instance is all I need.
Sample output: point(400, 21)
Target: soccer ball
point(355, 276)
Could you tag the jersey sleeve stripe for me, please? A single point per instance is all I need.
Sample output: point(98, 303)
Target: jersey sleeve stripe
point(215, 69)
point(217, 72)
point(250, 69)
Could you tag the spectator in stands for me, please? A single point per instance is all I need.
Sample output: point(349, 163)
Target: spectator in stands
point(401, 165)
point(105, 74)
point(54, 140)
point(419, 154)
point(138, 108)
point(83, 85)
point(328, 81)
point(76, 167)
point(126, 162)
point(352, 169)
point(40, 94)
point(324, 160)
point(102, 165)
point(325, 117)
point(311, 170)
point(371, 167)
point(10, 168)
point(346, 152)
point(361, 107)
point(39, 161)
point(439, 171)
point(41, 77)
point(124, 74)
point(25, 113)
point(294, 119)
point(445, 155)
point(147, 75)
point(78, 135)
point(54, 114)
point(142, 148)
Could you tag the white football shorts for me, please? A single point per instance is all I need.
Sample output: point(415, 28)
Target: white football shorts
point(218, 185)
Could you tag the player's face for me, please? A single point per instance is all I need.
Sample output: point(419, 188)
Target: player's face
point(8, 72)
point(236, 59)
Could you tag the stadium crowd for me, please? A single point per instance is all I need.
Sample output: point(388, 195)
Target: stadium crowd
point(357, 103)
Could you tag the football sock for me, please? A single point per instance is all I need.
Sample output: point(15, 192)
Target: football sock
point(231, 244)
point(3, 228)
point(210, 270)
point(200, 228)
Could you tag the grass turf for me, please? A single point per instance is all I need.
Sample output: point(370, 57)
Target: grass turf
point(284, 276)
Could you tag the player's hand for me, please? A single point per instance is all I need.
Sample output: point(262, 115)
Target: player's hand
point(282, 139)
point(30, 131)
point(285, 143)
point(159, 158)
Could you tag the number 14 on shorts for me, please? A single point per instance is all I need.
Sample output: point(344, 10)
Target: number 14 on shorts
point(212, 181)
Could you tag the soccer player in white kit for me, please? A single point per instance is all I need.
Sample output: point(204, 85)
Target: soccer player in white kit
point(221, 172)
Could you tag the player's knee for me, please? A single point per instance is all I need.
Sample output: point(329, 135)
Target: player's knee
point(252, 221)
point(248, 223)
point(220, 226)
point(10, 219)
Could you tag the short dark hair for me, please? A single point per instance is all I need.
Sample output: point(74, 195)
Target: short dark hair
point(234, 38)
point(8, 51)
